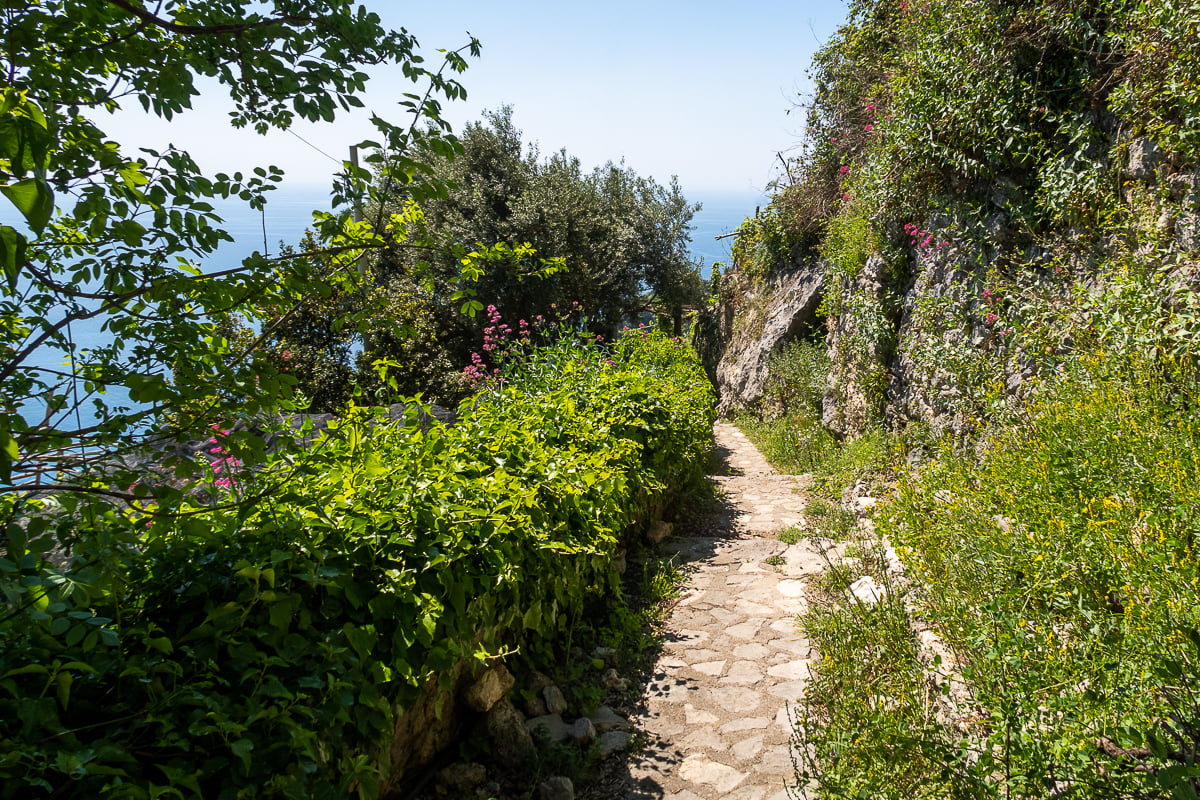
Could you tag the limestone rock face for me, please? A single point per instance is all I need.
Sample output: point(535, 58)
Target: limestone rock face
point(489, 688)
point(556, 703)
point(764, 321)
point(1144, 157)
point(511, 740)
point(551, 725)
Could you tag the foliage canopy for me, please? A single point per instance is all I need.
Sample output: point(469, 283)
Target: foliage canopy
point(108, 240)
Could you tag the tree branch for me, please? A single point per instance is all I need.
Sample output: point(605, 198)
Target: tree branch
point(204, 30)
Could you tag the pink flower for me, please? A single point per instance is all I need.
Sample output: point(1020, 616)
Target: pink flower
point(833, 140)
point(842, 170)
point(990, 318)
point(868, 128)
point(846, 196)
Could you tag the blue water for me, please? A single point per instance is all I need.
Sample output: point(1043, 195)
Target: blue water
point(721, 212)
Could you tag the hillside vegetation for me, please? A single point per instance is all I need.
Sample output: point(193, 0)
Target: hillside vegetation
point(207, 592)
point(1002, 197)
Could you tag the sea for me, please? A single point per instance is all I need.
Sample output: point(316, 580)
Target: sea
point(288, 214)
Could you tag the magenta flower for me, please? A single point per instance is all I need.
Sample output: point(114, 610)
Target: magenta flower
point(868, 128)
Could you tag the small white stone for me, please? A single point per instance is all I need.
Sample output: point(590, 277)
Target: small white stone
point(752, 609)
point(736, 698)
point(694, 716)
point(613, 741)
point(788, 690)
point(704, 738)
point(783, 718)
point(792, 671)
point(745, 724)
point(702, 769)
point(745, 673)
point(753, 650)
point(745, 630)
point(791, 588)
point(747, 748)
point(866, 591)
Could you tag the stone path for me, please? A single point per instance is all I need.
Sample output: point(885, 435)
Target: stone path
point(716, 715)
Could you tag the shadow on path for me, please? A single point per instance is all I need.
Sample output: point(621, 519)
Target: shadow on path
point(712, 720)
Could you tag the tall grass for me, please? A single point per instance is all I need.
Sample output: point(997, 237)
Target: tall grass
point(1063, 569)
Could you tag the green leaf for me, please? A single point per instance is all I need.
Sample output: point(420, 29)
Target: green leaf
point(533, 617)
point(242, 749)
point(34, 199)
point(362, 639)
point(12, 254)
point(28, 669)
point(10, 453)
point(64, 681)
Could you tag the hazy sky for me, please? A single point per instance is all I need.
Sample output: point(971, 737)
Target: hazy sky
point(701, 90)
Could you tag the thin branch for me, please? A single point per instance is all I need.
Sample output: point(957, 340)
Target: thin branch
point(205, 30)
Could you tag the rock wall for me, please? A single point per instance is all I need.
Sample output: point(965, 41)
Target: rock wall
point(930, 329)
point(754, 320)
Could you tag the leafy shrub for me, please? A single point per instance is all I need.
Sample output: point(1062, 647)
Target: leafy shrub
point(261, 643)
point(796, 378)
point(766, 242)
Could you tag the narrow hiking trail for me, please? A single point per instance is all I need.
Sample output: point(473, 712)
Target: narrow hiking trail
point(716, 713)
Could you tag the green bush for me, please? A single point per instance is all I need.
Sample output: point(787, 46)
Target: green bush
point(796, 379)
point(262, 641)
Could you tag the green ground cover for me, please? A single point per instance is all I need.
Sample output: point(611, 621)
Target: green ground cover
point(261, 640)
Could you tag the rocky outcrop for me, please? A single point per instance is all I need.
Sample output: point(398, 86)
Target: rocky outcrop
point(743, 332)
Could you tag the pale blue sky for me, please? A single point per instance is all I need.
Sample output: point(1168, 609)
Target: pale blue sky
point(701, 90)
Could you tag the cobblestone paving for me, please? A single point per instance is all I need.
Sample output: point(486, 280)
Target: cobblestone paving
point(716, 714)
